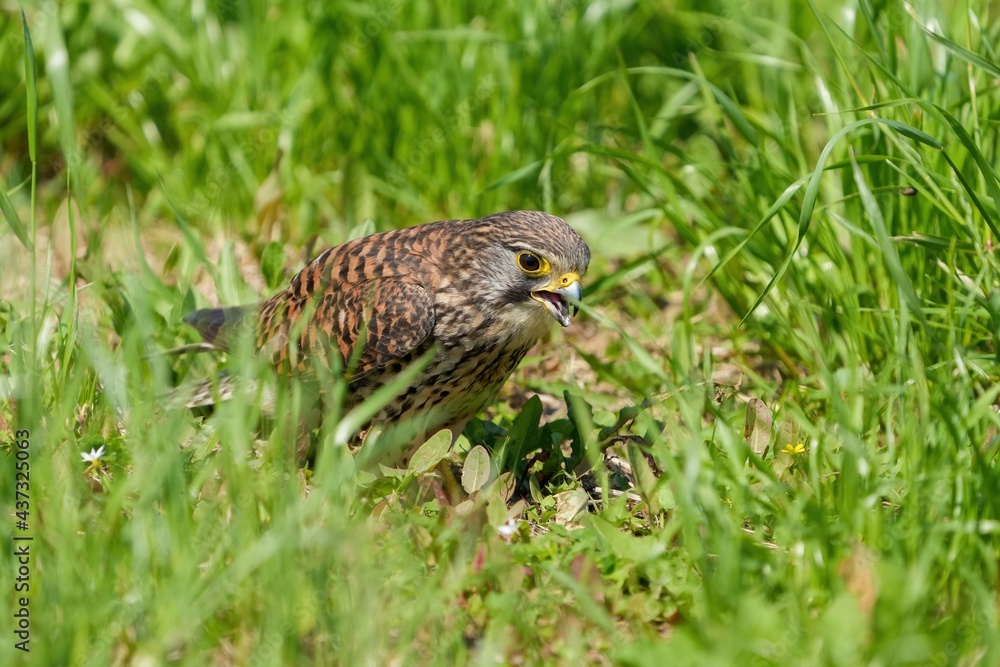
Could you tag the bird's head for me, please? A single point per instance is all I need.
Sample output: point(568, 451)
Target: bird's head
point(530, 266)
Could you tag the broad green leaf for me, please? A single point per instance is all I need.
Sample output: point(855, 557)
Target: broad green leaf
point(431, 452)
point(496, 512)
point(476, 471)
point(757, 426)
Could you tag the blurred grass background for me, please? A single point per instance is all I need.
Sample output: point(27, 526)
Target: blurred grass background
point(791, 201)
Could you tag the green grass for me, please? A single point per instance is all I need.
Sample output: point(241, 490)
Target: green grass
point(795, 202)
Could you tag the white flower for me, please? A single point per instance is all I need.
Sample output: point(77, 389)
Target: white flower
point(508, 529)
point(93, 456)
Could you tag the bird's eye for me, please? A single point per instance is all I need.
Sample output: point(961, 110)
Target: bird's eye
point(531, 263)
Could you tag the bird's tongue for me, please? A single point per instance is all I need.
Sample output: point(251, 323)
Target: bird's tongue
point(557, 306)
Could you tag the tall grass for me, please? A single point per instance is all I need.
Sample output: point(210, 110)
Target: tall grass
point(794, 202)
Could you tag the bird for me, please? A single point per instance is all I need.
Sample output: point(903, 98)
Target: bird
point(472, 295)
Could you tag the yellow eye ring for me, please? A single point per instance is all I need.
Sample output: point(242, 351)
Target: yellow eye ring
point(532, 265)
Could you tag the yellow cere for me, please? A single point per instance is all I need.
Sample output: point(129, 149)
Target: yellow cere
point(568, 279)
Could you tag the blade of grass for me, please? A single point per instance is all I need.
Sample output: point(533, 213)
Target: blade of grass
point(360, 415)
point(57, 72)
point(31, 83)
point(942, 115)
point(812, 191)
point(956, 50)
point(14, 221)
point(900, 278)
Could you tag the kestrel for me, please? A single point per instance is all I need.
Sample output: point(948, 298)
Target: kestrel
point(480, 293)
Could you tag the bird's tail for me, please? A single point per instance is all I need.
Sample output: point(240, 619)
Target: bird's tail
point(204, 395)
point(217, 325)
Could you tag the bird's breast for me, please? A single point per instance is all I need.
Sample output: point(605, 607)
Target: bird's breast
point(460, 382)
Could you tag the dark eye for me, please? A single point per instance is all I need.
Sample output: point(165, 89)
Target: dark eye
point(529, 262)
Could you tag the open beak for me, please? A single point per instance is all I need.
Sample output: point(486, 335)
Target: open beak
point(559, 300)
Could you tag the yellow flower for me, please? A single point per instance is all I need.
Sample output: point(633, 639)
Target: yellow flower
point(794, 449)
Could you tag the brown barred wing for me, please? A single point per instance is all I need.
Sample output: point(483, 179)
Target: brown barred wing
point(377, 322)
point(366, 325)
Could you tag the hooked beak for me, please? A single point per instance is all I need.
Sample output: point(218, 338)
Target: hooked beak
point(558, 300)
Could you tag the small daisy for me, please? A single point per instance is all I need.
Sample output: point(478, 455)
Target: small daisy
point(508, 529)
point(93, 457)
point(794, 449)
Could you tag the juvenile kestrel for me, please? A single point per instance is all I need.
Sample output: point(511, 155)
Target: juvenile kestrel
point(479, 292)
